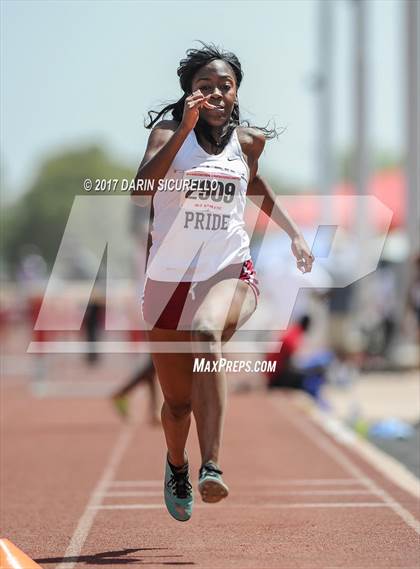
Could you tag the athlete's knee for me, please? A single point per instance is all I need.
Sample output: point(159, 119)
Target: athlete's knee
point(176, 409)
point(204, 330)
point(228, 332)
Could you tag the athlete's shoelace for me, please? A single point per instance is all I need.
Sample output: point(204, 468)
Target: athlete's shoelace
point(209, 470)
point(180, 485)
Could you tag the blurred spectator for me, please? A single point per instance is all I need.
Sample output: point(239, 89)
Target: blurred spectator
point(93, 323)
point(340, 337)
point(285, 374)
point(295, 370)
point(146, 374)
point(380, 323)
point(344, 370)
point(31, 278)
point(414, 293)
point(32, 268)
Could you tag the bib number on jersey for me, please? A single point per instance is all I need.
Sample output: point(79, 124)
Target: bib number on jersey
point(209, 200)
point(213, 191)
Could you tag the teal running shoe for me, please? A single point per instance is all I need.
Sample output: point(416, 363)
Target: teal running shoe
point(179, 498)
point(210, 483)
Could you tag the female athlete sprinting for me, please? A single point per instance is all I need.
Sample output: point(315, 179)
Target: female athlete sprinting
point(201, 284)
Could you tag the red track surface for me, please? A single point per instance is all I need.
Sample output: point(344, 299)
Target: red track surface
point(77, 484)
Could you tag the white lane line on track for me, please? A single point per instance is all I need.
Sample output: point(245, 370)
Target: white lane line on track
point(248, 506)
point(136, 483)
point(262, 482)
point(139, 493)
point(309, 482)
point(321, 440)
point(256, 492)
point(86, 520)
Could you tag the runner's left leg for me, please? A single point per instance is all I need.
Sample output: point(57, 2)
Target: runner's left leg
point(227, 305)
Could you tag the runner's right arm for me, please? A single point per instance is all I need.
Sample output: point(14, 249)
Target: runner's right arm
point(164, 142)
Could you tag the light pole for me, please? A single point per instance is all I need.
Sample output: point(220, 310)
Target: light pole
point(361, 162)
point(325, 52)
point(412, 118)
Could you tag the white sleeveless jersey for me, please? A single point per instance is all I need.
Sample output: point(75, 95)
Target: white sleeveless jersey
point(199, 206)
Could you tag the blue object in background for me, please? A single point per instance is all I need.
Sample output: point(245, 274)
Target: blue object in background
point(391, 429)
point(314, 367)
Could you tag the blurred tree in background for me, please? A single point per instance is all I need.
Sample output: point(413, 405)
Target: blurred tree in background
point(39, 216)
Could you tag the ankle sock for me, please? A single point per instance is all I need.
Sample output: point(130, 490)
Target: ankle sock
point(176, 469)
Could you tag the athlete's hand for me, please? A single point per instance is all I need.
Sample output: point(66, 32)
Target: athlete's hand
point(301, 251)
point(192, 107)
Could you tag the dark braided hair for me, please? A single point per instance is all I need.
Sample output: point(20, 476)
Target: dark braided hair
point(195, 59)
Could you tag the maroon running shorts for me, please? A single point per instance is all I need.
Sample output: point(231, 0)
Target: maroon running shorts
point(172, 306)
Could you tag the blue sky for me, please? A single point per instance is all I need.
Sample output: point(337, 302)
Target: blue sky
point(87, 71)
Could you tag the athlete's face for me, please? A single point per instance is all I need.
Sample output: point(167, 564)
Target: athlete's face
point(216, 79)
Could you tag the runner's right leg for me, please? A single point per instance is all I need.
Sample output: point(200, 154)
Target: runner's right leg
point(174, 371)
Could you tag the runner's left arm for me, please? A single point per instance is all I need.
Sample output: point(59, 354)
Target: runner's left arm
point(260, 192)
